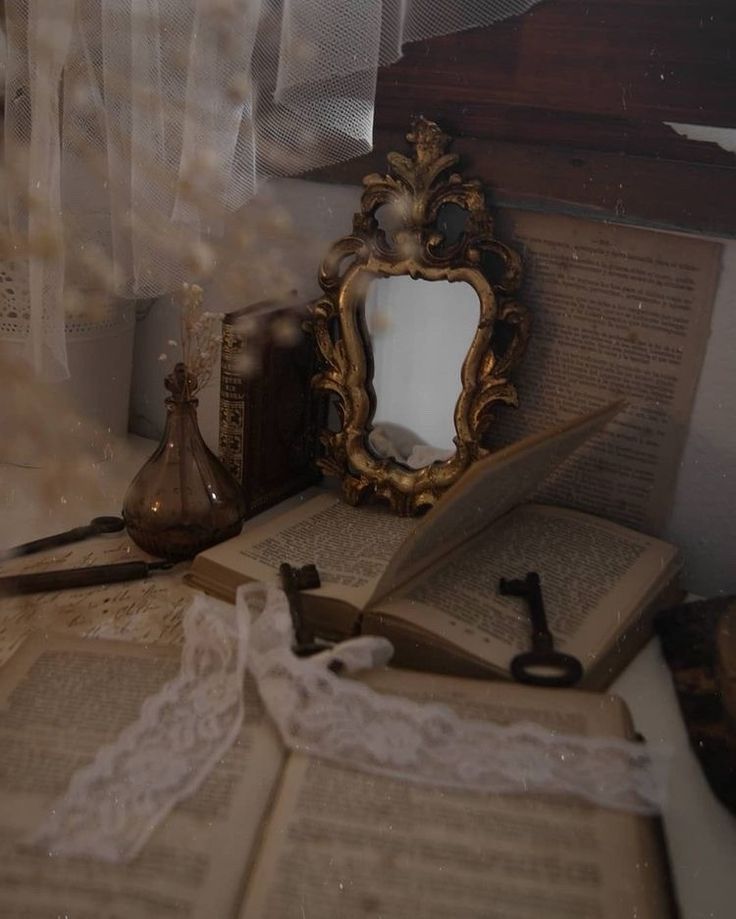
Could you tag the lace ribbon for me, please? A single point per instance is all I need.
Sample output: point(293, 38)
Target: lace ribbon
point(114, 803)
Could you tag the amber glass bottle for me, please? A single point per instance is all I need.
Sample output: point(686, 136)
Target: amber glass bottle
point(183, 499)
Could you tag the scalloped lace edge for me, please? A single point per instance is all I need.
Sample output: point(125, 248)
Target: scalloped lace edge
point(113, 804)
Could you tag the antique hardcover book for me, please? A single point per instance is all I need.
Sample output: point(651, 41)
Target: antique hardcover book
point(269, 418)
point(431, 586)
point(270, 835)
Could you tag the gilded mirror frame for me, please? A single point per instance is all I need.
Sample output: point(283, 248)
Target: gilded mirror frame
point(415, 190)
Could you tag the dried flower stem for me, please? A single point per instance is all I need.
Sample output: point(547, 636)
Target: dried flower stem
point(200, 339)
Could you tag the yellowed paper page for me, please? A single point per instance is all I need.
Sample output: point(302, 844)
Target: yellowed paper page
point(343, 843)
point(148, 610)
point(59, 702)
point(351, 547)
point(616, 310)
point(490, 488)
point(594, 575)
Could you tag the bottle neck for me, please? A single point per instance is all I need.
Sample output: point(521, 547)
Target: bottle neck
point(181, 406)
point(181, 421)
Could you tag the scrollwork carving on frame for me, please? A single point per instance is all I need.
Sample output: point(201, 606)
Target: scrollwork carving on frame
point(415, 190)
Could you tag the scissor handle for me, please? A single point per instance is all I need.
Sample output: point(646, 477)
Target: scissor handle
point(96, 527)
point(525, 668)
point(101, 525)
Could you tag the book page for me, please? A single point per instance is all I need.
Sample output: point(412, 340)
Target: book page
point(148, 610)
point(615, 310)
point(594, 575)
point(351, 546)
point(59, 702)
point(344, 843)
point(490, 488)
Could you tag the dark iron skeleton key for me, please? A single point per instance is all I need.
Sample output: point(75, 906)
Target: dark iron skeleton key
point(542, 666)
point(293, 581)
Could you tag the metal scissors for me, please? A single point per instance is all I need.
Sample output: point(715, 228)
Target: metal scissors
point(96, 527)
point(39, 581)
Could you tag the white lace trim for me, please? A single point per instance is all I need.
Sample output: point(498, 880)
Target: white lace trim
point(102, 314)
point(327, 716)
point(114, 804)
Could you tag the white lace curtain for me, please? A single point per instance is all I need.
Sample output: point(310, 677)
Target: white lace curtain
point(133, 126)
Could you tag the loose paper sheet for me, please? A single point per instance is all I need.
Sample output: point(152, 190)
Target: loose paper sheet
point(617, 311)
point(147, 610)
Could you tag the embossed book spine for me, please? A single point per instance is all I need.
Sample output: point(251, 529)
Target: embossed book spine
point(270, 420)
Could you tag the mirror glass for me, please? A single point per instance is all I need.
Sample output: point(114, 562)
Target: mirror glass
point(420, 334)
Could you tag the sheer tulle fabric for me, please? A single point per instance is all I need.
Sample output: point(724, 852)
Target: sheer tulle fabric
point(133, 126)
point(114, 804)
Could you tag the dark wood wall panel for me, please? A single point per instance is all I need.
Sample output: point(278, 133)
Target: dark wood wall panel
point(568, 102)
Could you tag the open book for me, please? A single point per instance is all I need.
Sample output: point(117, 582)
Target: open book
point(431, 586)
point(271, 836)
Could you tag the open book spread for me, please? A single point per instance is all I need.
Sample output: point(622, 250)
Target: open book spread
point(270, 836)
point(431, 586)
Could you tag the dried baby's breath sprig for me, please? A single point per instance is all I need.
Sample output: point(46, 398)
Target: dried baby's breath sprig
point(285, 331)
point(255, 333)
point(200, 338)
point(247, 363)
point(201, 258)
point(238, 87)
point(380, 323)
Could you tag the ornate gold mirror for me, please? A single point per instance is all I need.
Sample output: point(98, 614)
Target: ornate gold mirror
point(418, 329)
